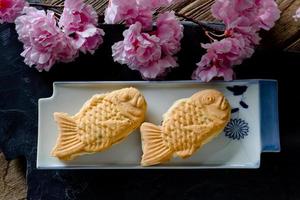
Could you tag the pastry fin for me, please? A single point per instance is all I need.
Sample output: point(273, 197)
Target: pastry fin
point(154, 149)
point(68, 143)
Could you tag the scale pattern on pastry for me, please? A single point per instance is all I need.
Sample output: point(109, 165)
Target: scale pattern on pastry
point(103, 120)
point(187, 125)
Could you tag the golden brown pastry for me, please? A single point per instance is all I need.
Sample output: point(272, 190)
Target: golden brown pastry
point(188, 125)
point(103, 120)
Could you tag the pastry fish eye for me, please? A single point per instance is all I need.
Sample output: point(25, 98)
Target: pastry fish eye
point(208, 100)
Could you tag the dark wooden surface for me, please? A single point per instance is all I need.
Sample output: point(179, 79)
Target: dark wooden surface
point(12, 182)
point(21, 87)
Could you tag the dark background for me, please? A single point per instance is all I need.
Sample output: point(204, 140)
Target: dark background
point(21, 87)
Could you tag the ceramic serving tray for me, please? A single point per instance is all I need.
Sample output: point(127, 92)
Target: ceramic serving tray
point(252, 130)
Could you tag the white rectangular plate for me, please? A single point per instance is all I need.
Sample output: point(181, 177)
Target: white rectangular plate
point(235, 149)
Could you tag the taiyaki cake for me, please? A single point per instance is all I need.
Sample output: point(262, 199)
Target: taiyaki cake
point(103, 120)
point(187, 125)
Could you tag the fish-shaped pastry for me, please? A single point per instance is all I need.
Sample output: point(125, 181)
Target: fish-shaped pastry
point(187, 125)
point(103, 120)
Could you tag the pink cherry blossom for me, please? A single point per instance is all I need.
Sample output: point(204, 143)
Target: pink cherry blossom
point(11, 9)
point(93, 38)
point(234, 49)
point(221, 56)
point(297, 15)
point(170, 32)
point(67, 53)
point(235, 13)
point(243, 20)
point(44, 43)
point(206, 74)
point(119, 10)
point(246, 14)
point(79, 21)
point(158, 67)
point(142, 52)
point(268, 13)
point(213, 65)
point(130, 11)
point(148, 50)
point(137, 48)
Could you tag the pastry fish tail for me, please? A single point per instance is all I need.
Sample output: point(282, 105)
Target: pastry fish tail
point(154, 149)
point(68, 142)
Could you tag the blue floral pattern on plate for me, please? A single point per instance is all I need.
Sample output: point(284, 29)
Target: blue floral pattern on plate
point(236, 129)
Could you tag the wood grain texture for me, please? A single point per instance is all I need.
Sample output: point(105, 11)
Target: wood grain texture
point(12, 180)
